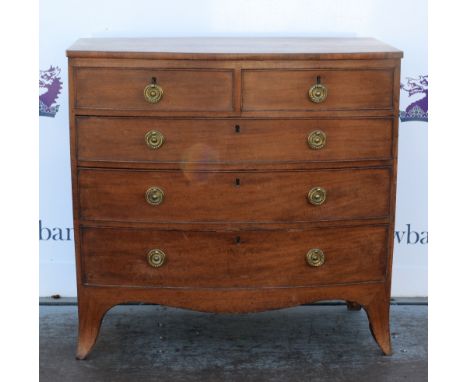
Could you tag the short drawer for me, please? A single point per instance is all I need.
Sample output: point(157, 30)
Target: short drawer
point(182, 90)
point(196, 196)
point(233, 259)
point(288, 90)
point(157, 140)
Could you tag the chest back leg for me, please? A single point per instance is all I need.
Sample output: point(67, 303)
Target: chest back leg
point(353, 305)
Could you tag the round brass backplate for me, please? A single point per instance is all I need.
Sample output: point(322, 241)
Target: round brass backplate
point(318, 93)
point(153, 93)
point(154, 196)
point(154, 139)
point(317, 139)
point(317, 196)
point(315, 257)
point(156, 258)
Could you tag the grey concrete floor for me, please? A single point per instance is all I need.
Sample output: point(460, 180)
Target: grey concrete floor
point(306, 343)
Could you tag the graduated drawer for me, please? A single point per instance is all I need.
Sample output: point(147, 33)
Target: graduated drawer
point(288, 89)
point(183, 89)
point(229, 141)
point(230, 259)
point(280, 196)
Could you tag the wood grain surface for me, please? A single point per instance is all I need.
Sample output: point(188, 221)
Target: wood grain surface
point(186, 90)
point(226, 141)
point(234, 48)
point(236, 197)
point(287, 90)
point(233, 260)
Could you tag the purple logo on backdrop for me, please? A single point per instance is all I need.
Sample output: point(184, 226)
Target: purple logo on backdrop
point(416, 111)
point(49, 90)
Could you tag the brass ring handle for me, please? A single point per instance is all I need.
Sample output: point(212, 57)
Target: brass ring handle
point(156, 258)
point(318, 92)
point(154, 196)
point(317, 196)
point(315, 257)
point(153, 92)
point(154, 139)
point(317, 139)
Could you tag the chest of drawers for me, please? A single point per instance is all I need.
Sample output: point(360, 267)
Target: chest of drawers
point(233, 175)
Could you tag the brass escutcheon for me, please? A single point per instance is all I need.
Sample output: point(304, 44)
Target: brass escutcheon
point(317, 139)
point(318, 93)
point(317, 196)
point(154, 139)
point(153, 93)
point(156, 258)
point(154, 196)
point(315, 257)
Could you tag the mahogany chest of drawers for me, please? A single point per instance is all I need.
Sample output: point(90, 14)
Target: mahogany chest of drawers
point(233, 175)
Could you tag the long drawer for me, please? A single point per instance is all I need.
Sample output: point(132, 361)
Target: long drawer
point(195, 196)
point(232, 141)
point(230, 259)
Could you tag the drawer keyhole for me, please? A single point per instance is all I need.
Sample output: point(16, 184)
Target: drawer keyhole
point(238, 239)
point(237, 182)
point(237, 129)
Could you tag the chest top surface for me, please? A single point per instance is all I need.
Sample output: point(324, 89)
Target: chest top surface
point(234, 48)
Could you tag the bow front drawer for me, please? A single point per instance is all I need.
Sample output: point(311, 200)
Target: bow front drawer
point(203, 196)
point(233, 259)
point(154, 90)
point(317, 90)
point(232, 141)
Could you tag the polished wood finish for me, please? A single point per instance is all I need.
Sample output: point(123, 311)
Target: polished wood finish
point(233, 259)
point(235, 167)
point(227, 141)
point(233, 48)
point(119, 195)
point(287, 89)
point(187, 90)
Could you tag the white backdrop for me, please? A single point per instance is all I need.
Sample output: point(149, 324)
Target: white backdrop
point(400, 23)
